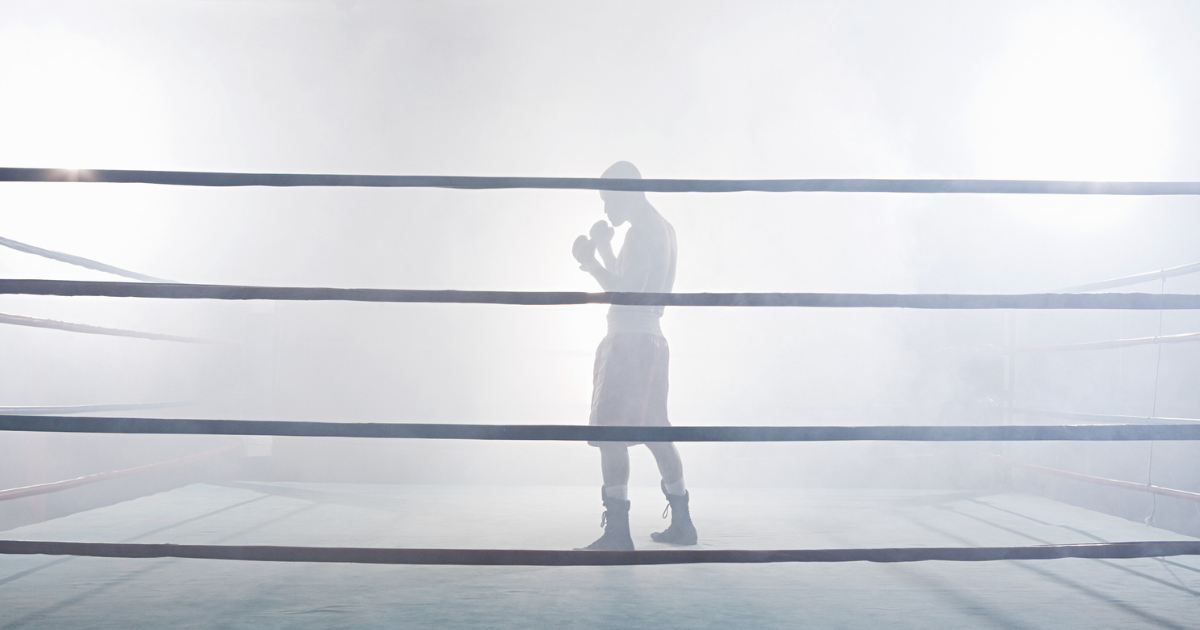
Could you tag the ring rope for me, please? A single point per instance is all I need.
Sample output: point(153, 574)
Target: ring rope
point(1092, 417)
point(578, 433)
point(1122, 301)
point(573, 558)
point(77, 260)
point(971, 186)
point(66, 484)
point(74, 409)
point(1115, 343)
point(36, 322)
point(1103, 481)
point(1170, 272)
point(563, 558)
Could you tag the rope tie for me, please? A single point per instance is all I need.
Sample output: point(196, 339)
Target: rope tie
point(1154, 411)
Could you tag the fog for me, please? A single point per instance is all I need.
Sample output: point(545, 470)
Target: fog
point(1038, 90)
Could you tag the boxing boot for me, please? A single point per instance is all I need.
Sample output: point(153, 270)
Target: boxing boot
point(616, 526)
point(681, 531)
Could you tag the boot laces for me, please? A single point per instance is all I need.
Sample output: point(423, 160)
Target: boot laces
point(666, 509)
point(604, 518)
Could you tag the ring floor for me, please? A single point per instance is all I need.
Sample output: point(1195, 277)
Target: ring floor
point(59, 592)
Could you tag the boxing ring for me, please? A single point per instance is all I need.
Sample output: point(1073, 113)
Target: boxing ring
point(1095, 555)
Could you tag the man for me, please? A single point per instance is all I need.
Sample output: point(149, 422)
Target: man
point(629, 380)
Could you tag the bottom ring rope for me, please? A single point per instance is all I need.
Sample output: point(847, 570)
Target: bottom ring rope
point(555, 558)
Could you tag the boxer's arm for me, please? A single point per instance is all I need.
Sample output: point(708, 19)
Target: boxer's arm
point(608, 280)
point(584, 251)
point(636, 271)
point(607, 257)
point(638, 259)
point(602, 235)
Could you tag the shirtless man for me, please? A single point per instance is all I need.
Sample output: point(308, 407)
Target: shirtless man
point(629, 380)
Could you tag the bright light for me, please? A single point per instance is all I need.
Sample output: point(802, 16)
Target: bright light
point(70, 101)
point(1073, 99)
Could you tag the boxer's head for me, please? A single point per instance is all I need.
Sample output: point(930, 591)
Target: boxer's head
point(619, 205)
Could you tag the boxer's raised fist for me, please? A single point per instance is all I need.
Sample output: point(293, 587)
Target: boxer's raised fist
point(602, 232)
point(584, 251)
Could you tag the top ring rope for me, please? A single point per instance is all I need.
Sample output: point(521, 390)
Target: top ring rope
point(926, 186)
point(1121, 301)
